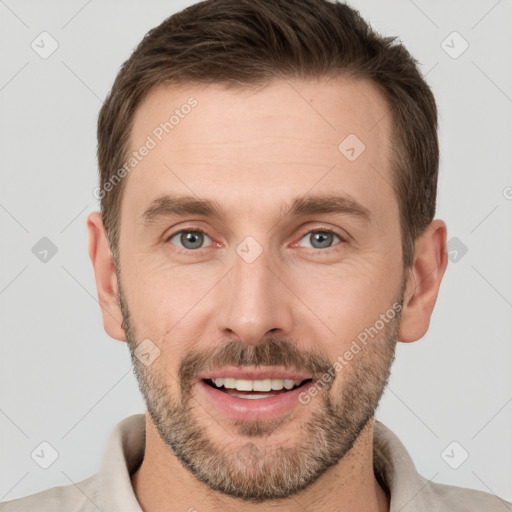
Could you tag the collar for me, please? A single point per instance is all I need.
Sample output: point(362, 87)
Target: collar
point(124, 452)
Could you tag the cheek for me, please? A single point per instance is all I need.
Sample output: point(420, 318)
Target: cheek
point(167, 301)
point(155, 282)
point(347, 299)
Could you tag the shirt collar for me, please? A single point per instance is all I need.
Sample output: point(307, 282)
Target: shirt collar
point(124, 452)
point(393, 466)
point(123, 455)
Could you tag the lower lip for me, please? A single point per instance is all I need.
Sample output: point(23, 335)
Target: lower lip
point(252, 409)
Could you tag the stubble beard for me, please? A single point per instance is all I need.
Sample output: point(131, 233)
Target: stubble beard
point(248, 465)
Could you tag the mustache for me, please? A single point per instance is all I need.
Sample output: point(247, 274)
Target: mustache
point(278, 352)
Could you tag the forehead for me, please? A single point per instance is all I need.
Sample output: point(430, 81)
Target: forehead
point(261, 146)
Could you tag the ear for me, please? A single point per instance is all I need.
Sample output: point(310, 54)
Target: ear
point(106, 281)
point(423, 282)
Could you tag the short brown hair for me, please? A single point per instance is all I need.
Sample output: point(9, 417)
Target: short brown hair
point(250, 42)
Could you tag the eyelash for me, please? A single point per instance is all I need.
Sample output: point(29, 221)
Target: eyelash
point(303, 234)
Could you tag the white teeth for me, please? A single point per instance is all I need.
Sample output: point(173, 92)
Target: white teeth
point(288, 383)
point(277, 384)
point(243, 385)
point(262, 385)
point(229, 383)
point(251, 397)
point(256, 385)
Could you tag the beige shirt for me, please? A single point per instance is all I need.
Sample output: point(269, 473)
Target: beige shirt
point(111, 490)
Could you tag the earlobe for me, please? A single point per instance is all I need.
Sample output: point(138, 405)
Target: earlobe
point(106, 281)
point(423, 282)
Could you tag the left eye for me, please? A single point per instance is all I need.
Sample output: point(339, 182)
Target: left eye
point(189, 239)
point(321, 239)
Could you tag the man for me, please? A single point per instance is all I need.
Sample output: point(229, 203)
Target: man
point(268, 176)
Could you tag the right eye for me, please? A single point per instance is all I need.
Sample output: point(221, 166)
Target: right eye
point(189, 239)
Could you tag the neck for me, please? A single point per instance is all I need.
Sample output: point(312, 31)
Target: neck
point(163, 483)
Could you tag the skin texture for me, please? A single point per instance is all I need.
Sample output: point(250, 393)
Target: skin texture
point(254, 151)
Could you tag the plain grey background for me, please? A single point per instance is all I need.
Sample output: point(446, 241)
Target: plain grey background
point(65, 382)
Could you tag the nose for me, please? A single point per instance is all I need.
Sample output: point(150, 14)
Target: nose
point(254, 302)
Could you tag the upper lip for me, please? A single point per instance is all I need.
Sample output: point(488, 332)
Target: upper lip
point(253, 373)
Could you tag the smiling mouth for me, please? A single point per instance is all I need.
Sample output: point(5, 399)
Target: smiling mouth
point(255, 389)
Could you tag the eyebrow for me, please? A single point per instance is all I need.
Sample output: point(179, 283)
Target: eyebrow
point(173, 205)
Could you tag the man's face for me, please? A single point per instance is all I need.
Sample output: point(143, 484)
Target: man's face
point(272, 293)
